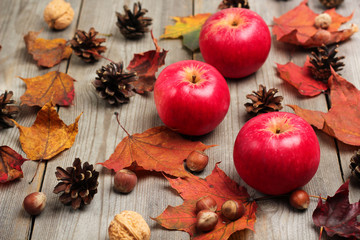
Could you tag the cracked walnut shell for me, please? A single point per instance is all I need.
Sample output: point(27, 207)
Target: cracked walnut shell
point(129, 225)
point(58, 14)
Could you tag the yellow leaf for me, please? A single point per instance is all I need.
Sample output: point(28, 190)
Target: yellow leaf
point(185, 25)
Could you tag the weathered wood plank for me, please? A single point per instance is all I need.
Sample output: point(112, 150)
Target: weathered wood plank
point(17, 18)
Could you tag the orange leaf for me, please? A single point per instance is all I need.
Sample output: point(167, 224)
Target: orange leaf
point(157, 149)
point(10, 164)
point(301, 78)
point(47, 53)
point(48, 136)
point(54, 86)
point(298, 27)
point(218, 186)
point(342, 121)
point(145, 65)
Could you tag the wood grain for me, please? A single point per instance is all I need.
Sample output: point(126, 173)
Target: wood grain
point(99, 132)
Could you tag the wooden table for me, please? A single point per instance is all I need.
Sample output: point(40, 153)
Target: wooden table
point(99, 132)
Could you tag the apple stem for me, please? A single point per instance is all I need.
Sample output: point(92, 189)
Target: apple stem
point(117, 118)
point(318, 197)
point(193, 79)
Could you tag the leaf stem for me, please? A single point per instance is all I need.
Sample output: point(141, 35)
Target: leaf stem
point(319, 197)
point(321, 231)
point(118, 120)
point(95, 53)
point(37, 168)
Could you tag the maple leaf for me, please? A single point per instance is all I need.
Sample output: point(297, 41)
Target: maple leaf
point(342, 120)
point(218, 186)
point(47, 53)
point(48, 136)
point(54, 86)
point(298, 27)
point(10, 164)
point(337, 215)
point(145, 65)
point(157, 149)
point(187, 27)
point(301, 78)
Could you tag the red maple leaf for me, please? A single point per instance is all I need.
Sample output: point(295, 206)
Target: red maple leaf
point(145, 65)
point(218, 186)
point(301, 78)
point(10, 164)
point(337, 215)
point(298, 27)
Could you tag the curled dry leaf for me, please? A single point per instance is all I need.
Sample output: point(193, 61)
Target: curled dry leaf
point(298, 27)
point(47, 53)
point(157, 149)
point(342, 121)
point(54, 86)
point(187, 27)
point(301, 78)
point(48, 136)
point(218, 186)
point(337, 215)
point(145, 65)
point(10, 164)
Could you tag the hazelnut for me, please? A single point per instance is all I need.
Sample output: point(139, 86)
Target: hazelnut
point(206, 203)
point(197, 161)
point(299, 199)
point(323, 21)
point(58, 14)
point(206, 220)
point(124, 181)
point(129, 225)
point(232, 210)
point(34, 203)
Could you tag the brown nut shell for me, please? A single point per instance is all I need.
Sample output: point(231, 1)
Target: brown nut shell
point(34, 203)
point(58, 14)
point(206, 203)
point(197, 161)
point(129, 225)
point(206, 220)
point(232, 210)
point(299, 199)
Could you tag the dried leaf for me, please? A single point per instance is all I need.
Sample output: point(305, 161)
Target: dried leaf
point(54, 86)
point(145, 65)
point(157, 149)
point(301, 78)
point(298, 27)
point(48, 136)
point(47, 53)
point(218, 186)
point(10, 164)
point(342, 121)
point(188, 28)
point(337, 215)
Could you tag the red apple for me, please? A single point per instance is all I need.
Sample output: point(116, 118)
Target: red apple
point(276, 153)
point(191, 97)
point(236, 41)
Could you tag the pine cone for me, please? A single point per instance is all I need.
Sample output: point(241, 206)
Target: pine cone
point(355, 164)
point(114, 84)
point(133, 25)
point(234, 3)
point(79, 184)
point(263, 101)
point(321, 61)
point(7, 112)
point(331, 3)
point(87, 46)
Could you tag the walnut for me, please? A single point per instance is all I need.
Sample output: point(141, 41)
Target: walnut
point(58, 14)
point(323, 21)
point(129, 225)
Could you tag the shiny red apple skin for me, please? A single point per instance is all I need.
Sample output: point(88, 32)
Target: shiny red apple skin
point(276, 163)
point(236, 51)
point(187, 107)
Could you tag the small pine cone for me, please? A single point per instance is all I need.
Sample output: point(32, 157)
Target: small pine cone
point(321, 61)
point(115, 84)
point(263, 101)
point(234, 3)
point(355, 165)
point(331, 3)
point(78, 184)
point(7, 112)
point(133, 25)
point(87, 46)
